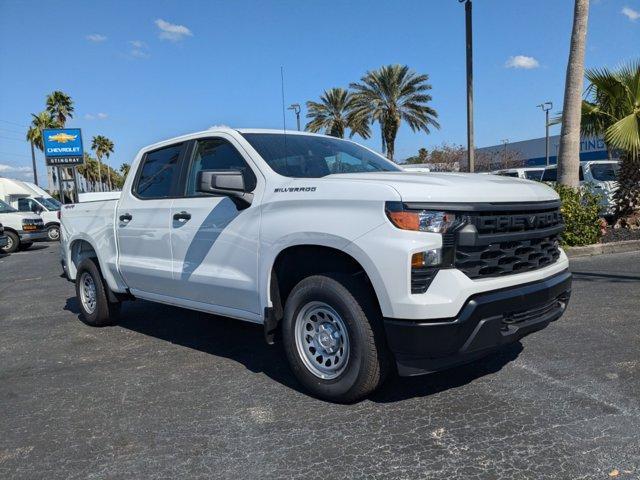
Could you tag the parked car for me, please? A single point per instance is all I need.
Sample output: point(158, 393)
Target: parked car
point(528, 173)
point(600, 176)
point(28, 197)
point(358, 263)
point(21, 229)
point(4, 240)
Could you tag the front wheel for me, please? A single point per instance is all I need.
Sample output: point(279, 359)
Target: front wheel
point(53, 233)
point(91, 293)
point(13, 242)
point(333, 338)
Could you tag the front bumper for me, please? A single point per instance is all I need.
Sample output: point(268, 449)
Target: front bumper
point(486, 321)
point(36, 236)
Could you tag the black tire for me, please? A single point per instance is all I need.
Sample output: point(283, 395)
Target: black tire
point(25, 245)
point(368, 358)
point(14, 242)
point(104, 312)
point(53, 233)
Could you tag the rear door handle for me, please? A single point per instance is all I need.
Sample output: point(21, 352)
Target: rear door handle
point(125, 217)
point(182, 216)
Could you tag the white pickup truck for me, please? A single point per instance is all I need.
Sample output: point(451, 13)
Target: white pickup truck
point(361, 268)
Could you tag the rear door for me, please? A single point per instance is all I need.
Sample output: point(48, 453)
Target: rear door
point(214, 239)
point(143, 222)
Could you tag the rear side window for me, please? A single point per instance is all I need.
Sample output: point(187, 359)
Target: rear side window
point(533, 174)
point(157, 172)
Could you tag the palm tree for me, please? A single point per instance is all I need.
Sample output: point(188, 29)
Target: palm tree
point(39, 122)
point(89, 170)
point(124, 169)
point(569, 151)
point(331, 114)
point(103, 147)
point(612, 109)
point(390, 95)
point(60, 106)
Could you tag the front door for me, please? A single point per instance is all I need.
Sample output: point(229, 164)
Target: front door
point(143, 223)
point(215, 240)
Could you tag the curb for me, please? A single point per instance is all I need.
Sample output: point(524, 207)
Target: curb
point(600, 248)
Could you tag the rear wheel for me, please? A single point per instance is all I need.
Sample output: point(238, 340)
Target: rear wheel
point(333, 338)
point(13, 242)
point(91, 293)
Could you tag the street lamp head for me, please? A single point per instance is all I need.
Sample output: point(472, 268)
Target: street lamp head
point(295, 107)
point(546, 106)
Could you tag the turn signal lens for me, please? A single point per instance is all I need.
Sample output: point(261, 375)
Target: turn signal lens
point(429, 258)
point(405, 220)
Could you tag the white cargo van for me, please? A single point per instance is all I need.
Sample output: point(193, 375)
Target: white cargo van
point(28, 197)
point(21, 229)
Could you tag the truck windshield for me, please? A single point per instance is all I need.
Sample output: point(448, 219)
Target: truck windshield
point(4, 208)
point(605, 172)
point(50, 204)
point(533, 174)
point(308, 156)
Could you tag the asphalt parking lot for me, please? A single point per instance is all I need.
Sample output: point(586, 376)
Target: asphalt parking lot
point(176, 394)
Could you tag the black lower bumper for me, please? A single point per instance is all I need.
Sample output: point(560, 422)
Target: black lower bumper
point(486, 322)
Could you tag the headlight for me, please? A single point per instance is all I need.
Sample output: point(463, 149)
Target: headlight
point(434, 221)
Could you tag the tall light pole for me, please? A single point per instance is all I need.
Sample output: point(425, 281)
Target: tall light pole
point(546, 106)
point(469, 43)
point(296, 109)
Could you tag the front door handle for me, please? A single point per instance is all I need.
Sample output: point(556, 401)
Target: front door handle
point(125, 217)
point(182, 216)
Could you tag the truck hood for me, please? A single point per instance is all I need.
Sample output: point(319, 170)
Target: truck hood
point(455, 187)
point(19, 216)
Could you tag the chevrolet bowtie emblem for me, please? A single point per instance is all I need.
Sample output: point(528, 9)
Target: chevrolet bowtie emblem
point(62, 137)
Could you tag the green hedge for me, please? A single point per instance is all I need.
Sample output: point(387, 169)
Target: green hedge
point(580, 210)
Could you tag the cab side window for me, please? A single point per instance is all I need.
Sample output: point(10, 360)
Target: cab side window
point(158, 172)
point(26, 205)
point(217, 154)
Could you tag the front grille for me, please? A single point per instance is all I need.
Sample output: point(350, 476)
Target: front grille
point(505, 258)
point(495, 243)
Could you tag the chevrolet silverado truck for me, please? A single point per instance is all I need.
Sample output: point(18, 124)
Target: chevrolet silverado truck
point(361, 269)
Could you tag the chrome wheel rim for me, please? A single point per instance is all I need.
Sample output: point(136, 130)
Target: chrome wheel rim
point(9, 244)
point(88, 293)
point(322, 340)
point(54, 233)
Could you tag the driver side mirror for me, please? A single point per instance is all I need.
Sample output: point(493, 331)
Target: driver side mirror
point(229, 183)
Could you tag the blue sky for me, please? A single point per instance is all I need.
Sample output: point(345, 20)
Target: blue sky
point(142, 71)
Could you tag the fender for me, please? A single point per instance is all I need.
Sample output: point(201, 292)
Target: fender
point(321, 239)
point(111, 275)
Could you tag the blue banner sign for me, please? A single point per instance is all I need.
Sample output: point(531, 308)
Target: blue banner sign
point(63, 146)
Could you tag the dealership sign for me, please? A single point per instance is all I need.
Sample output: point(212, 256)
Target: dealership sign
point(63, 147)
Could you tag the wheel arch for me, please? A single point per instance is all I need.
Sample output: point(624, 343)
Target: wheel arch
point(297, 261)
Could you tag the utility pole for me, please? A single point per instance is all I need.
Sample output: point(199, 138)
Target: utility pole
point(469, 44)
point(296, 109)
point(546, 106)
point(505, 142)
point(33, 163)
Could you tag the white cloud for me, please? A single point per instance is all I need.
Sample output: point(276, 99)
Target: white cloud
point(19, 173)
point(96, 38)
point(171, 31)
point(96, 116)
point(139, 49)
point(522, 61)
point(630, 13)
